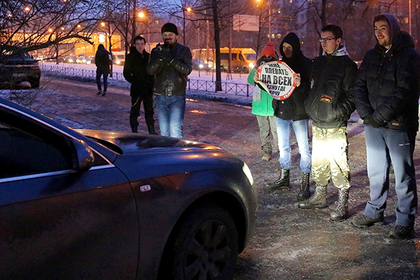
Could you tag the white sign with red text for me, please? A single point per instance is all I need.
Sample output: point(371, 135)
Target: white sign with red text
point(277, 78)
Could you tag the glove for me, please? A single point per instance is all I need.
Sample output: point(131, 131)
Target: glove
point(165, 56)
point(371, 121)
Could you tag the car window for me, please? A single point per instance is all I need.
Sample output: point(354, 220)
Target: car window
point(23, 153)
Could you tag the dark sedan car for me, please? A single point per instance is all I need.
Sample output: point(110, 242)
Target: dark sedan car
point(18, 66)
point(110, 205)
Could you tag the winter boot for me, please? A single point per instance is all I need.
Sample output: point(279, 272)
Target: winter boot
point(318, 200)
point(304, 192)
point(341, 212)
point(282, 183)
point(134, 129)
point(151, 129)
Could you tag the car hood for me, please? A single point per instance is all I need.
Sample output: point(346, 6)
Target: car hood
point(129, 143)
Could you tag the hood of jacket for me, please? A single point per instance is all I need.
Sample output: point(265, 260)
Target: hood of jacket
point(293, 40)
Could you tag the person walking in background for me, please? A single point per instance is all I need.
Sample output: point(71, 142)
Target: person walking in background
point(135, 72)
point(290, 114)
point(103, 62)
point(387, 92)
point(170, 64)
point(262, 106)
point(330, 103)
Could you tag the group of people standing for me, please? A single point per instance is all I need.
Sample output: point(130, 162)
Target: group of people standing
point(159, 80)
point(384, 91)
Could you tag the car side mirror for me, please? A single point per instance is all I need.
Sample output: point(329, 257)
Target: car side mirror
point(84, 155)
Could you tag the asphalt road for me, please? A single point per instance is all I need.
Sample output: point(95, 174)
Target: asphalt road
point(288, 243)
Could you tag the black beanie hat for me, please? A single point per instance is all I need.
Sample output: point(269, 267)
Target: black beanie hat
point(169, 27)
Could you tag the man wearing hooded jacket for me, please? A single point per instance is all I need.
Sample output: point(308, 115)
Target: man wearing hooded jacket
point(387, 93)
point(330, 103)
point(135, 72)
point(290, 114)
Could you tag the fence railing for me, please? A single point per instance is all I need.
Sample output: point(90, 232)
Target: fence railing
point(192, 85)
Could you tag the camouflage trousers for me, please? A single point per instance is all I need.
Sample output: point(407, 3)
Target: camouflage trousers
point(330, 156)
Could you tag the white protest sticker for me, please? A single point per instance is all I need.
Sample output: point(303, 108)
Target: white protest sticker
point(277, 79)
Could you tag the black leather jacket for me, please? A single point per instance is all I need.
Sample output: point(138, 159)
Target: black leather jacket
point(170, 77)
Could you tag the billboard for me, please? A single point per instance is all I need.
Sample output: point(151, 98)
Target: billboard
point(245, 23)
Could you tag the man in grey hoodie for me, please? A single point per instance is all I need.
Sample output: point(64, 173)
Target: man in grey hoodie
point(330, 103)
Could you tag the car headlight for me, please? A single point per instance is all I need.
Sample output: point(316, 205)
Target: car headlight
point(248, 173)
point(251, 65)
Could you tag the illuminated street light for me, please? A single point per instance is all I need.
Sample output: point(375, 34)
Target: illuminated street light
point(189, 10)
point(269, 17)
point(142, 14)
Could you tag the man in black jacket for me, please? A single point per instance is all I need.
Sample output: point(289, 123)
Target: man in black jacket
point(170, 64)
point(387, 93)
point(103, 63)
point(330, 103)
point(135, 72)
point(290, 114)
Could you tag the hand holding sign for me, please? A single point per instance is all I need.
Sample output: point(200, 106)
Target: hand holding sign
point(278, 79)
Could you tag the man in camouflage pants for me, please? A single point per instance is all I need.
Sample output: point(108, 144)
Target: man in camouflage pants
point(330, 103)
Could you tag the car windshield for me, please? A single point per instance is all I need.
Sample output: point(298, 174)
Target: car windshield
point(251, 56)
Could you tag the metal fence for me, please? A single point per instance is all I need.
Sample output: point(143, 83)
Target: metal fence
point(192, 84)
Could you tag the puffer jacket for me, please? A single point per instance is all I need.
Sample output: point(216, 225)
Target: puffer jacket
point(387, 84)
point(135, 71)
point(293, 107)
point(331, 97)
point(171, 77)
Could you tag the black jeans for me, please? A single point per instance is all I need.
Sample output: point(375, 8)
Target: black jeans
point(99, 73)
point(135, 110)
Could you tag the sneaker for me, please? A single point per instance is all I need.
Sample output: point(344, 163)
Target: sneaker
point(266, 157)
point(99, 92)
point(362, 221)
point(400, 232)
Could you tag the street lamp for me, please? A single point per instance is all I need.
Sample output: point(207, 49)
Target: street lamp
point(189, 10)
point(269, 17)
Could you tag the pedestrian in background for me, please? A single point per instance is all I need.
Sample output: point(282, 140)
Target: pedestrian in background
point(262, 106)
point(141, 90)
point(170, 64)
point(330, 103)
point(103, 62)
point(387, 93)
point(291, 115)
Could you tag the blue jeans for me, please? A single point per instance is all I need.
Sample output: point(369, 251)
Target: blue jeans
point(284, 133)
point(385, 147)
point(170, 111)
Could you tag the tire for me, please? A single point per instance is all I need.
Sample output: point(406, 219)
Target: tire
point(206, 246)
point(35, 84)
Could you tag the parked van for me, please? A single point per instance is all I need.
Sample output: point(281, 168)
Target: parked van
point(242, 59)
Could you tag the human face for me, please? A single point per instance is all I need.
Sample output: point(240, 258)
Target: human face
point(382, 33)
point(169, 38)
point(287, 50)
point(139, 44)
point(328, 42)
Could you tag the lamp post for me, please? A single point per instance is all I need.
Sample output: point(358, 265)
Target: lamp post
point(269, 18)
point(189, 10)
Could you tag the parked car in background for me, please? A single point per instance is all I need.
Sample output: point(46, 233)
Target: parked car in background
point(18, 66)
point(92, 204)
point(118, 59)
point(70, 59)
point(84, 59)
point(198, 64)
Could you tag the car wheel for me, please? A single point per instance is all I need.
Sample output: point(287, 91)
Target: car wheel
point(206, 246)
point(245, 70)
point(35, 84)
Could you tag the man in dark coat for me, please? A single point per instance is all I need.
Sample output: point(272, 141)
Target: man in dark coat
point(103, 62)
point(330, 103)
point(170, 64)
point(135, 72)
point(387, 93)
point(290, 114)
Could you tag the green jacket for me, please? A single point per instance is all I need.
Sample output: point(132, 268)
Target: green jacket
point(262, 106)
